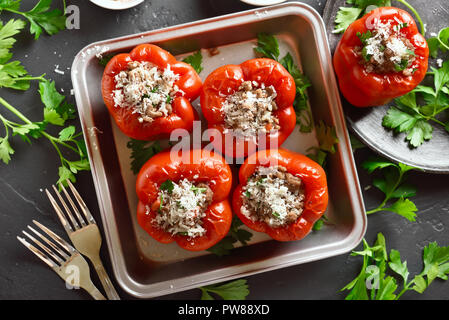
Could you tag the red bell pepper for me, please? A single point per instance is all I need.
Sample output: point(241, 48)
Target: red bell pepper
point(183, 113)
point(316, 194)
point(196, 166)
point(363, 88)
point(226, 80)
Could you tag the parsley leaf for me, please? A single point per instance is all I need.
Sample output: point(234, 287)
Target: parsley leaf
point(234, 290)
point(7, 31)
point(141, 152)
point(5, 150)
point(41, 17)
point(345, 16)
point(267, 46)
point(412, 119)
point(56, 111)
point(327, 140)
point(392, 185)
point(12, 74)
point(103, 61)
point(303, 114)
point(195, 60)
point(235, 234)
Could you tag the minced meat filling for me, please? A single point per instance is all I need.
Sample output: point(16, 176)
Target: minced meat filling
point(146, 89)
point(249, 111)
point(274, 196)
point(386, 50)
point(182, 206)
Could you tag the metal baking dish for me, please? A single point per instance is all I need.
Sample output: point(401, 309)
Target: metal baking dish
point(145, 268)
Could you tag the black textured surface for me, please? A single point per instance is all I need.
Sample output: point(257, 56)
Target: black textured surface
point(33, 168)
point(431, 156)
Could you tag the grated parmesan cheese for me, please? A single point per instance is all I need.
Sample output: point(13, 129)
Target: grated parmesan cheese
point(274, 196)
point(183, 208)
point(146, 89)
point(249, 111)
point(387, 49)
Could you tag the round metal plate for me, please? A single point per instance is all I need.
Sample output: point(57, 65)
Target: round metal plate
point(262, 2)
point(366, 123)
point(117, 4)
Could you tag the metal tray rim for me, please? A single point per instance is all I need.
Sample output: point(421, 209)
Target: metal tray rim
point(100, 181)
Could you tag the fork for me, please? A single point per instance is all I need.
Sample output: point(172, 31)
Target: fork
point(64, 263)
point(85, 234)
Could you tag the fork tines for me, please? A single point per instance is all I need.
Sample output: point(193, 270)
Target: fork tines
point(80, 220)
point(52, 254)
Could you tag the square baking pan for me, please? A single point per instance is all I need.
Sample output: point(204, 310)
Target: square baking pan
point(145, 268)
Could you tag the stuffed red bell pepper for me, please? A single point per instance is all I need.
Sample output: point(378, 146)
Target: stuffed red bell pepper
point(148, 92)
point(380, 57)
point(249, 103)
point(185, 198)
point(281, 193)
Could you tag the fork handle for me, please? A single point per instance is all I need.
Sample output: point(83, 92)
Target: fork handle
point(105, 281)
point(94, 292)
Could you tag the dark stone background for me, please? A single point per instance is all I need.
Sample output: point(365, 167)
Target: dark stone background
point(33, 168)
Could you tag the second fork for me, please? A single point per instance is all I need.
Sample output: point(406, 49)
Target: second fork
point(85, 234)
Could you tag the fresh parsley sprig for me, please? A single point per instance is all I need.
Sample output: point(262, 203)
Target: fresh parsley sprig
point(56, 111)
point(41, 17)
point(327, 142)
point(377, 281)
point(347, 15)
point(12, 74)
point(195, 60)
point(440, 42)
point(234, 290)
point(411, 118)
point(268, 46)
point(236, 234)
point(141, 152)
point(392, 185)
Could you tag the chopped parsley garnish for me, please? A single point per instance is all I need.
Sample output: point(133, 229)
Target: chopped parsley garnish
point(162, 203)
point(168, 186)
point(365, 55)
point(364, 37)
point(169, 99)
point(247, 194)
point(276, 214)
point(197, 190)
point(402, 66)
